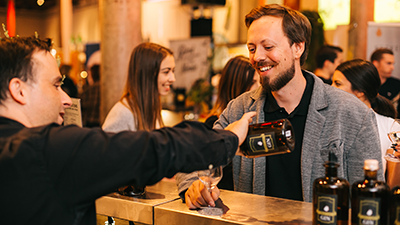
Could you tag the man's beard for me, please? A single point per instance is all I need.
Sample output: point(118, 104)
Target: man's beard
point(279, 82)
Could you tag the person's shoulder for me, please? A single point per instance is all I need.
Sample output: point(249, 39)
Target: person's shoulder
point(249, 96)
point(245, 101)
point(119, 118)
point(393, 82)
point(340, 97)
point(393, 79)
point(336, 98)
point(211, 120)
point(120, 109)
point(381, 119)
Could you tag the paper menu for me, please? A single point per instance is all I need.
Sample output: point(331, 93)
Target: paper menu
point(73, 114)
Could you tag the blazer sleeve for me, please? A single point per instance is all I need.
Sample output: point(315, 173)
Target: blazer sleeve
point(366, 146)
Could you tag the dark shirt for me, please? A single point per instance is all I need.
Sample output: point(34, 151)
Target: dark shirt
point(283, 175)
point(326, 81)
point(90, 104)
point(390, 89)
point(53, 174)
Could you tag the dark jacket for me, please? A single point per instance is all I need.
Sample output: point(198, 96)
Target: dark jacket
point(53, 174)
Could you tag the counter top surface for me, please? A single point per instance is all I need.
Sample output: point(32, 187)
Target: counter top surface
point(137, 209)
point(238, 208)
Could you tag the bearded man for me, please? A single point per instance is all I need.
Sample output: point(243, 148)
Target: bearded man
point(325, 119)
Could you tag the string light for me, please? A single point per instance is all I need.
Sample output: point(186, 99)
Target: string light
point(40, 2)
point(83, 74)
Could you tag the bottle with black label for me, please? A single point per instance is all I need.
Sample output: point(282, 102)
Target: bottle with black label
point(269, 138)
point(395, 206)
point(331, 196)
point(370, 197)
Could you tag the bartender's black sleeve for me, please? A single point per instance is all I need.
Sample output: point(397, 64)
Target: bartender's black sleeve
point(54, 173)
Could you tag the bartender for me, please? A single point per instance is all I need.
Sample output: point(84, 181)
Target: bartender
point(52, 174)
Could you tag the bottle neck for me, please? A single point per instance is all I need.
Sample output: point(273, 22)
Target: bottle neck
point(370, 175)
point(331, 172)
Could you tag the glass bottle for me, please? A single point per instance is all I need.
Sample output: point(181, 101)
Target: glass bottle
point(370, 197)
point(395, 206)
point(331, 196)
point(269, 138)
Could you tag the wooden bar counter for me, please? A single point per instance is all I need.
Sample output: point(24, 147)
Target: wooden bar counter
point(162, 206)
point(239, 208)
point(137, 209)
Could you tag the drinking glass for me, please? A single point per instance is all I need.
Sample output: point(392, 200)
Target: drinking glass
point(394, 137)
point(211, 177)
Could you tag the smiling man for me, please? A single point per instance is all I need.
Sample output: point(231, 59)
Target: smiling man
point(52, 174)
point(324, 118)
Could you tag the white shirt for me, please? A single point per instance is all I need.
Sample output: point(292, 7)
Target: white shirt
point(385, 126)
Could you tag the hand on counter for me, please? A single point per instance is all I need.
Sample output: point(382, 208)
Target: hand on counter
point(240, 127)
point(198, 195)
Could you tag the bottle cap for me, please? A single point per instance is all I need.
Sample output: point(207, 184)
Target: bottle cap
point(371, 164)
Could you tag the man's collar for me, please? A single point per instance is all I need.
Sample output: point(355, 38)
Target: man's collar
point(5, 120)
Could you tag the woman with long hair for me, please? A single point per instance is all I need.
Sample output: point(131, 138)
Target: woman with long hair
point(150, 76)
point(237, 77)
point(361, 78)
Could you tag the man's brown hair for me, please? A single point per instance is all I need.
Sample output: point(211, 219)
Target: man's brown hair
point(295, 25)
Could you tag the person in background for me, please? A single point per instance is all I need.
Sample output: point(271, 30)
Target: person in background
point(237, 77)
point(90, 99)
point(360, 78)
point(327, 58)
point(383, 60)
point(68, 84)
point(150, 75)
point(324, 118)
point(52, 174)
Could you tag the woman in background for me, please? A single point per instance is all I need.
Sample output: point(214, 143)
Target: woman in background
point(237, 77)
point(360, 78)
point(150, 75)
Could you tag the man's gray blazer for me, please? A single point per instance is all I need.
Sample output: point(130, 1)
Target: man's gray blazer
point(337, 121)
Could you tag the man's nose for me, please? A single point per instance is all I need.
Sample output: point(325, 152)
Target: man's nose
point(259, 55)
point(65, 99)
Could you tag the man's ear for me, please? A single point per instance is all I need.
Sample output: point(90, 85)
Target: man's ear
point(327, 63)
point(299, 49)
point(376, 63)
point(17, 90)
